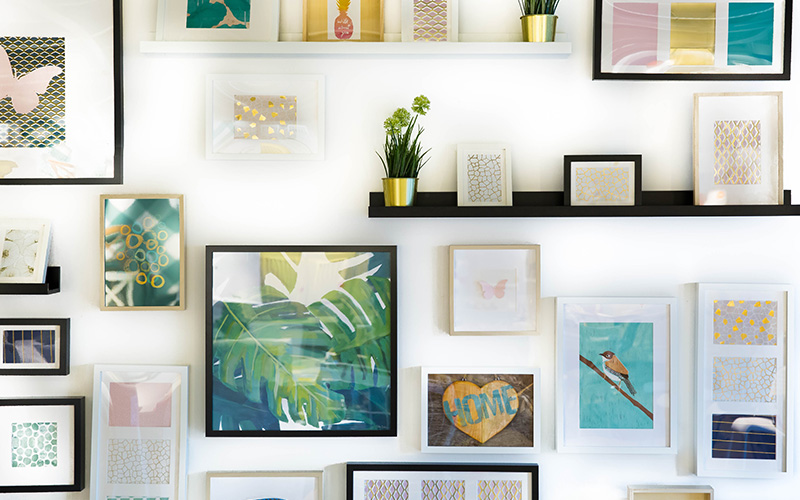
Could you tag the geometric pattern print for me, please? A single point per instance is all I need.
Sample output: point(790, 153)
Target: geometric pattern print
point(34, 444)
point(737, 152)
point(265, 117)
point(750, 437)
point(443, 490)
point(28, 346)
point(745, 322)
point(745, 379)
point(138, 461)
point(45, 125)
point(601, 184)
point(485, 177)
point(386, 489)
point(430, 20)
point(20, 248)
point(499, 490)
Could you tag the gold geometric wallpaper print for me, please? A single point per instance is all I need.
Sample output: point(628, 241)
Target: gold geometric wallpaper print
point(745, 379)
point(485, 177)
point(601, 184)
point(430, 20)
point(745, 322)
point(737, 152)
point(436, 489)
point(499, 490)
point(386, 489)
point(260, 117)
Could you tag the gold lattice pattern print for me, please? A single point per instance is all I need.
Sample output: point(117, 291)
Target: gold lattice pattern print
point(430, 20)
point(745, 322)
point(737, 152)
point(386, 489)
point(742, 379)
point(499, 490)
point(265, 117)
point(485, 178)
point(601, 184)
point(443, 490)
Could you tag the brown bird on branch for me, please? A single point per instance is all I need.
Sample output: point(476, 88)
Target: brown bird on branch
point(616, 371)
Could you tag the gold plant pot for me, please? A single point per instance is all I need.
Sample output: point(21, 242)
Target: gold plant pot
point(399, 191)
point(539, 28)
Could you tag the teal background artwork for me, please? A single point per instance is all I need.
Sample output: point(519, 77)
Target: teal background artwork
point(34, 444)
point(602, 406)
point(750, 33)
point(218, 14)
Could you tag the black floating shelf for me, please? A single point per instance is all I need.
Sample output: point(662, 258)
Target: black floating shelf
point(551, 204)
point(52, 284)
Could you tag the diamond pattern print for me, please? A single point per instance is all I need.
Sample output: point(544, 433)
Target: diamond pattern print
point(386, 489)
point(499, 490)
point(737, 152)
point(443, 490)
point(430, 20)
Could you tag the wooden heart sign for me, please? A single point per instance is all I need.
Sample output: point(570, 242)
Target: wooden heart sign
point(480, 412)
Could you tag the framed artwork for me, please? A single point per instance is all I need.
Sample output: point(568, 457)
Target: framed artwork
point(291, 325)
point(144, 264)
point(42, 444)
point(343, 20)
point(430, 21)
point(250, 485)
point(139, 430)
point(738, 148)
point(615, 374)
point(602, 180)
point(716, 40)
point(429, 481)
point(24, 250)
point(484, 410)
point(484, 175)
point(494, 289)
point(671, 492)
point(218, 20)
point(744, 391)
point(34, 346)
point(265, 117)
point(61, 106)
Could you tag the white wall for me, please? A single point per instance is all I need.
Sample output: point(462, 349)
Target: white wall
point(544, 107)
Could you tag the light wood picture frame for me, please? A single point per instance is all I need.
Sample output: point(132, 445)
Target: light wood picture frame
point(670, 492)
point(297, 485)
point(142, 237)
point(361, 21)
point(484, 175)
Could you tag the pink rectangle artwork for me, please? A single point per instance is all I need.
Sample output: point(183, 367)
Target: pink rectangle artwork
point(140, 405)
point(635, 33)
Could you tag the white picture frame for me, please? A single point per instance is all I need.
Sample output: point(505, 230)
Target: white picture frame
point(296, 485)
point(24, 250)
point(641, 332)
point(414, 30)
point(484, 175)
point(153, 434)
point(494, 289)
point(263, 24)
point(520, 433)
point(729, 349)
point(229, 126)
point(738, 148)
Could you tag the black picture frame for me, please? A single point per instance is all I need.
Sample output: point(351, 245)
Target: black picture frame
point(637, 180)
point(231, 411)
point(62, 355)
point(354, 468)
point(78, 483)
point(118, 110)
point(784, 66)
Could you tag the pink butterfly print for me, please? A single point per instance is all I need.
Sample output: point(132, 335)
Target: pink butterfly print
point(489, 291)
point(24, 91)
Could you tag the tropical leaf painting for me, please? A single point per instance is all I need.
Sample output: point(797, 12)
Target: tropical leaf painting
point(302, 341)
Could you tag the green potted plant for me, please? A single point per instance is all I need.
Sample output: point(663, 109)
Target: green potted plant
point(538, 20)
point(403, 156)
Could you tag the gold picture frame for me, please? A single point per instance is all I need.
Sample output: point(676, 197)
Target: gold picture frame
point(322, 22)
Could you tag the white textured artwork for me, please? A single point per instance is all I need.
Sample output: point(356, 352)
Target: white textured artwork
point(485, 177)
point(737, 152)
point(18, 256)
point(138, 461)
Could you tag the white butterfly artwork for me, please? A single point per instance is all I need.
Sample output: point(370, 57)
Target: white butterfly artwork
point(24, 91)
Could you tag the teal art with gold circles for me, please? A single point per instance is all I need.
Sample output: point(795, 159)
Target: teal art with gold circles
point(142, 252)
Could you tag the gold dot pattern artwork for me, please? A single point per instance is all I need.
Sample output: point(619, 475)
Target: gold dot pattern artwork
point(138, 461)
point(737, 152)
point(499, 490)
point(745, 379)
point(436, 489)
point(606, 184)
point(265, 117)
point(485, 177)
point(19, 250)
point(386, 489)
point(745, 322)
point(430, 20)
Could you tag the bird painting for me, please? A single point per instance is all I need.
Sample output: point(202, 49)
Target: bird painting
point(616, 371)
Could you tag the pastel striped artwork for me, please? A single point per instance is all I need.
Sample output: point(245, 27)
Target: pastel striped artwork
point(743, 437)
point(29, 346)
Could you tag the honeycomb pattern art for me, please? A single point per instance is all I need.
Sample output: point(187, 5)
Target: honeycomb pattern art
point(34, 444)
point(265, 117)
point(45, 125)
point(430, 20)
point(138, 461)
point(745, 322)
point(745, 379)
point(386, 489)
point(499, 490)
point(607, 184)
point(443, 490)
point(737, 152)
point(485, 178)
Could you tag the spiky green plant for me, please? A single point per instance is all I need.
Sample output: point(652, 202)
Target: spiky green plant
point(534, 7)
point(402, 151)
